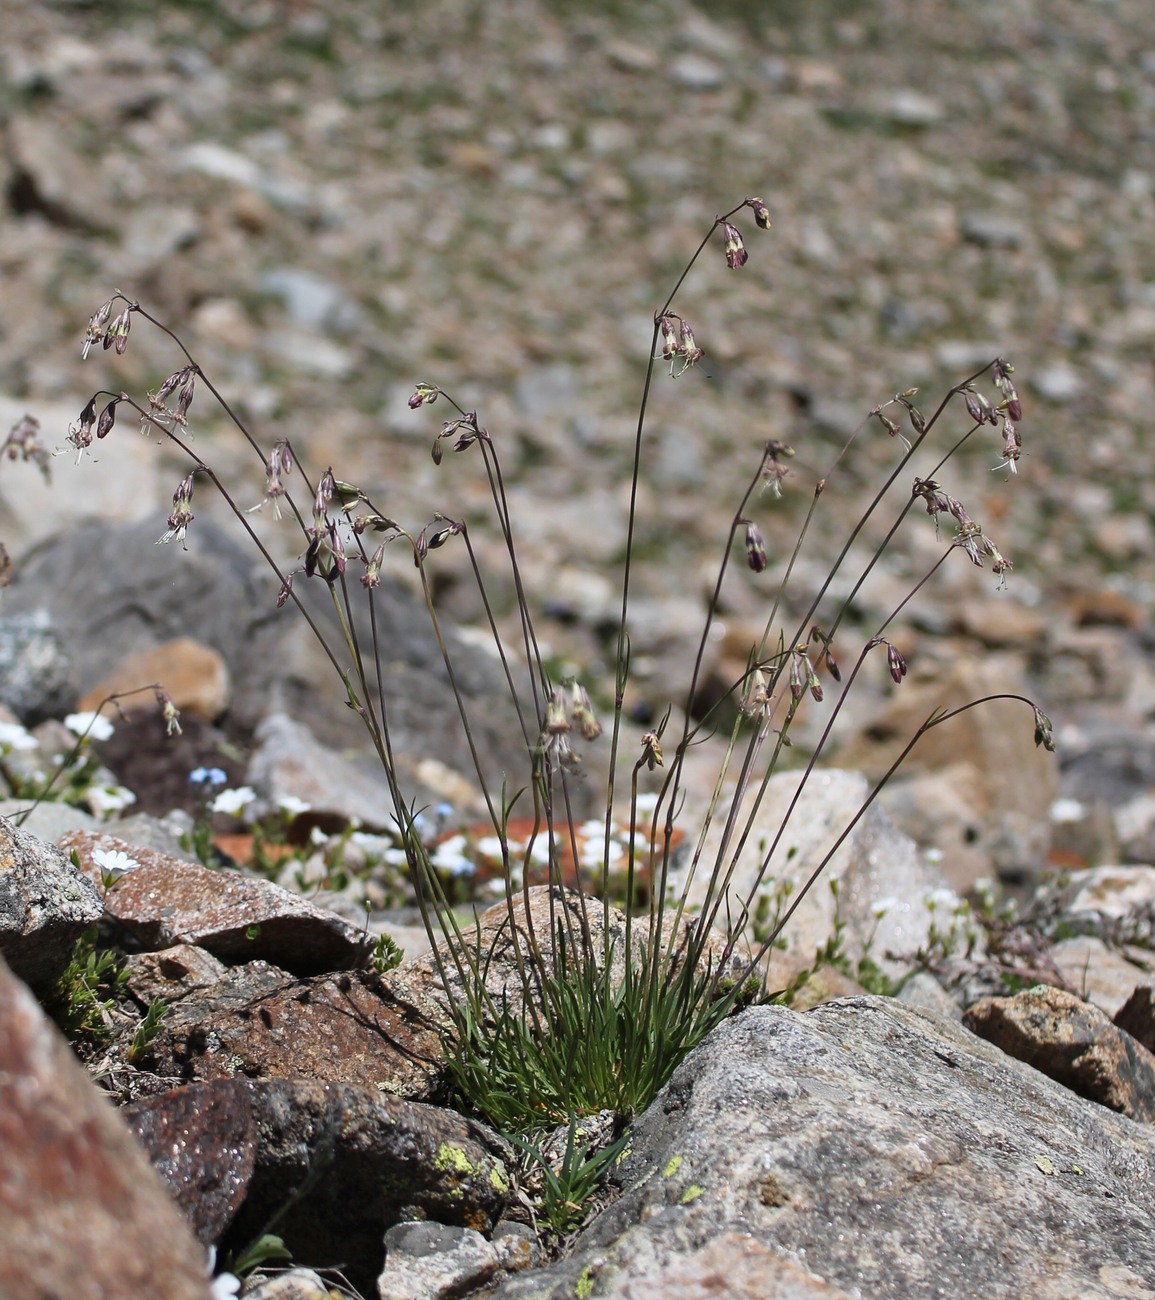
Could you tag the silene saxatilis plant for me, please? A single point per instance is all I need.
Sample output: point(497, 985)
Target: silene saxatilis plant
point(592, 1008)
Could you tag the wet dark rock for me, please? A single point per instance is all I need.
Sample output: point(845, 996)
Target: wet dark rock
point(81, 1212)
point(1072, 1042)
point(165, 901)
point(258, 1022)
point(45, 905)
point(202, 1141)
point(339, 1165)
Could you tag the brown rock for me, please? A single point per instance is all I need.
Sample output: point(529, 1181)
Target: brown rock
point(82, 1214)
point(194, 675)
point(166, 901)
point(337, 1165)
point(360, 1028)
point(202, 1141)
point(1073, 1043)
point(171, 973)
point(1137, 1016)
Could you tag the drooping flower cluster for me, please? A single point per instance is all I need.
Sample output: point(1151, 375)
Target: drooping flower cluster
point(569, 706)
point(970, 537)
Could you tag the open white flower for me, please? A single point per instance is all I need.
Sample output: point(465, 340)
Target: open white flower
point(95, 725)
point(14, 736)
point(225, 1286)
point(104, 800)
point(112, 864)
point(232, 801)
point(289, 803)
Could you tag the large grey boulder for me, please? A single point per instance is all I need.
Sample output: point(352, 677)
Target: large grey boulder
point(868, 1148)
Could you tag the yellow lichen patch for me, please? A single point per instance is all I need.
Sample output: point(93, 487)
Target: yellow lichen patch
point(692, 1193)
point(672, 1166)
point(452, 1159)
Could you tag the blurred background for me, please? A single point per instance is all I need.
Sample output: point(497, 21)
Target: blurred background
point(332, 202)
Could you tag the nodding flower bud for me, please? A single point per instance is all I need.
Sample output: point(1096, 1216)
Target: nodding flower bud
point(690, 350)
point(671, 340)
point(107, 419)
point(170, 713)
point(325, 555)
point(1012, 444)
point(652, 750)
point(423, 395)
point(326, 486)
point(557, 721)
point(917, 419)
point(761, 213)
point(755, 547)
point(285, 592)
point(1044, 734)
point(372, 576)
point(797, 685)
point(182, 515)
point(582, 712)
point(95, 331)
point(895, 662)
point(116, 335)
point(736, 254)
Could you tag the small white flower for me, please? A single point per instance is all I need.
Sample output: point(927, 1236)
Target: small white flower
point(225, 1286)
point(104, 800)
point(450, 856)
point(232, 801)
point(1067, 810)
point(945, 898)
point(289, 803)
point(95, 725)
point(645, 804)
point(14, 736)
point(881, 906)
point(113, 864)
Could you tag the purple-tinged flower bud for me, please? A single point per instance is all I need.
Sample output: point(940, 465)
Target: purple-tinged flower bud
point(814, 685)
point(423, 395)
point(895, 662)
point(107, 419)
point(736, 254)
point(582, 713)
point(169, 712)
point(689, 347)
point(1044, 734)
point(182, 515)
point(285, 592)
point(372, 576)
point(326, 486)
point(797, 685)
point(436, 451)
point(557, 721)
point(761, 213)
point(755, 547)
point(671, 340)
point(95, 331)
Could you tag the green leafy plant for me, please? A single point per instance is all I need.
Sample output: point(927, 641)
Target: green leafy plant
point(585, 1012)
point(87, 991)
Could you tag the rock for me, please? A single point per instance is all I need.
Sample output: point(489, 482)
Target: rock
point(1137, 1016)
point(338, 1165)
point(296, 1284)
point(340, 789)
point(1057, 383)
point(81, 1212)
point(50, 177)
point(111, 589)
point(696, 72)
point(1111, 902)
point(257, 1022)
point(164, 900)
point(168, 975)
point(989, 230)
point(1100, 974)
point(437, 1261)
point(194, 675)
point(311, 302)
point(202, 1141)
point(34, 667)
point(907, 107)
point(876, 863)
point(804, 1137)
point(1072, 1042)
point(45, 905)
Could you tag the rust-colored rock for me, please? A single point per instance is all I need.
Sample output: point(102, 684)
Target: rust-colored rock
point(171, 973)
point(1072, 1042)
point(202, 1141)
point(82, 1214)
point(194, 675)
point(166, 901)
point(355, 1027)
